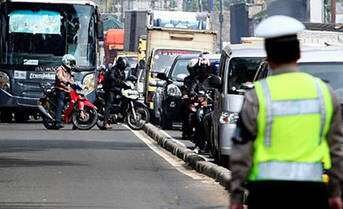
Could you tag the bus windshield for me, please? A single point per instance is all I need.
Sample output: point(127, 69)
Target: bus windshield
point(35, 35)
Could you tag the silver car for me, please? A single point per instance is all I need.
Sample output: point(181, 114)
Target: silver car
point(238, 67)
point(320, 61)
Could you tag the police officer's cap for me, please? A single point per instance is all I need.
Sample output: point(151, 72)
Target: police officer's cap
point(278, 26)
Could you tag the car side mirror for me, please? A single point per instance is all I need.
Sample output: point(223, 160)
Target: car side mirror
point(162, 76)
point(216, 82)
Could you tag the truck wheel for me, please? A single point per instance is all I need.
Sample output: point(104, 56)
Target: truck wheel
point(6, 117)
point(21, 117)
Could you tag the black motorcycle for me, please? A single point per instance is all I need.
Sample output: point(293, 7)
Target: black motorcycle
point(125, 108)
point(200, 107)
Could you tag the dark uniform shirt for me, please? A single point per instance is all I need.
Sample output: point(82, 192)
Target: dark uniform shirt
point(242, 153)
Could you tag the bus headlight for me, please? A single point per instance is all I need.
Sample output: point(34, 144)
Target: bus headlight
point(5, 81)
point(88, 83)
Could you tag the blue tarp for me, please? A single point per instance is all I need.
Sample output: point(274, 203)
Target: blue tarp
point(42, 22)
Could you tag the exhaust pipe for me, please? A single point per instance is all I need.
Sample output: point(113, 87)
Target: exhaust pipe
point(44, 112)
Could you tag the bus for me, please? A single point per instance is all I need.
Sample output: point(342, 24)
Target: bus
point(34, 36)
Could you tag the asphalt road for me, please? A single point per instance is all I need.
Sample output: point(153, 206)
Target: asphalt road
point(95, 169)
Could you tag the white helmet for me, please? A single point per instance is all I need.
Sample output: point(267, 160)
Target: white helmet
point(69, 61)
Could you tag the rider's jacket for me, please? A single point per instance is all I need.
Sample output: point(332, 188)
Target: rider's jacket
point(114, 79)
point(63, 79)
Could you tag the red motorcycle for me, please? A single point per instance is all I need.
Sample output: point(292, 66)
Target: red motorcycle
point(77, 109)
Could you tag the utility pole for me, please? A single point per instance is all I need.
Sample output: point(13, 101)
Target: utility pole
point(333, 11)
point(209, 6)
point(221, 20)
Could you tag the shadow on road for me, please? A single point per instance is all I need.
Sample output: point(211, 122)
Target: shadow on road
point(46, 205)
point(14, 162)
point(34, 145)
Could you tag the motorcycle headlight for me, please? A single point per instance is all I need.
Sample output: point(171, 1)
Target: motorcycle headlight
point(228, 118)
point(173, 90)
point(88, 82)
point(5, 81)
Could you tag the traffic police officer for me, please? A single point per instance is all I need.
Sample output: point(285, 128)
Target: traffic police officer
point(289, 131)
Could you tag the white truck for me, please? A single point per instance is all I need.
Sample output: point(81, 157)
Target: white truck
point(170, 34)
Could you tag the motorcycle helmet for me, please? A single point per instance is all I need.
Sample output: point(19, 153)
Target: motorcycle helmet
point(122, 63)
point(192, 67)
point(68, 61)
point(204, 66)
point(215, 66)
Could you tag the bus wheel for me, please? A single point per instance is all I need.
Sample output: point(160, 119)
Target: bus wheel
point(21, 117)
point(6, 117)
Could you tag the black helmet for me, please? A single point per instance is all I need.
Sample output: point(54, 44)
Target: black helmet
point(204, 66)
point(122, 63)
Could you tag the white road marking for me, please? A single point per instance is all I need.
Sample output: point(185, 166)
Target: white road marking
point(171, 159)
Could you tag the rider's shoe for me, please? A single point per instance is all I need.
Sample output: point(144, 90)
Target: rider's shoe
point(107, 126)
point(74, 127)
point(59, 125)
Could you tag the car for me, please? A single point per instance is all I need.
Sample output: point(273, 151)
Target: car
point(167, 97)
point(170, 102)
point(238, 66)
point(324, 62)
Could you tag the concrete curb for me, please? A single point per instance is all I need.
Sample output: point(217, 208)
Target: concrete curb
point(197, 162)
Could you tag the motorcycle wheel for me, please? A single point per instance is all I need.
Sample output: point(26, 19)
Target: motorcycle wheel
point(101, 116)
point(47, 122)
point(143, 117)
point(89, 120)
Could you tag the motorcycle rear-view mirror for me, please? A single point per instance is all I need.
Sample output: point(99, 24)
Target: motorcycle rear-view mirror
point(215, 82)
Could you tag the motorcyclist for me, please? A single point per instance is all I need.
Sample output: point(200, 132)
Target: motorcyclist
point(188, 91)
point(201, 87)
point(114, 81)
point(63, 80)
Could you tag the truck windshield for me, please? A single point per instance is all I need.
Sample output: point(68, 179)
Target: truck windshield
point(38, 34)
point(163, 58)
point(332, 73)
point(242, 71)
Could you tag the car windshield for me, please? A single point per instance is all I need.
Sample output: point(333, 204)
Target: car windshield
point(163, 58)
point(179, 68)
point(332, 73)
point(40, 34)
point(242, 71)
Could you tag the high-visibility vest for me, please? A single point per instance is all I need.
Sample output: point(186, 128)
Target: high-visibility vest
point(295, 110)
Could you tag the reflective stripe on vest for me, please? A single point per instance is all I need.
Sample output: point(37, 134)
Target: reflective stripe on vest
point(293, 107)
point(295, 171)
